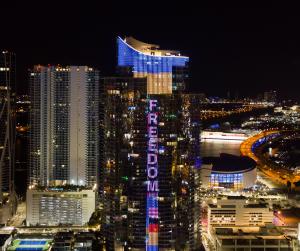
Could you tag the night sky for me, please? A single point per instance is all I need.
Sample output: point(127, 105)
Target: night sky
point(240, 50)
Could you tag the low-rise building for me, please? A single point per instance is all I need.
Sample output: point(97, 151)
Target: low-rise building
point(63, 241)
point(84, 241)
point(68, 205)
point(238, 211)
point(251, 239)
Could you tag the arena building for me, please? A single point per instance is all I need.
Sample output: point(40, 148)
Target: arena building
point(228, 171)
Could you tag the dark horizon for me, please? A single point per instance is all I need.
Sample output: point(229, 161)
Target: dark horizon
point(237, 50)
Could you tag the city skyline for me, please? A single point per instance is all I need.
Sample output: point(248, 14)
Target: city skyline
point(126, 130)
point(230, 48)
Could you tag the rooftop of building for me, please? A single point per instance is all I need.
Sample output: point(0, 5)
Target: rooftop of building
point(7, 230)
point(66, 239)
point(149, 49)
point(257, 205)
point(61, 188)
point(238, 197)
point(228, 163)
point(232, 201)
point(267, 232)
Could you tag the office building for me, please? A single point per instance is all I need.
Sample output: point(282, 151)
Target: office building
point(166, 71)
point(7, 119)
point(238, 211)
point(150, 179)
point(77, 241)
point(7, 134)
point(65, 205)
point(228, 172)
point(64, 125)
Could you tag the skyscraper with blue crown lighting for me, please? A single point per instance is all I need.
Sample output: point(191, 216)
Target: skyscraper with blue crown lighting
point(166, 70)
point(150, 169)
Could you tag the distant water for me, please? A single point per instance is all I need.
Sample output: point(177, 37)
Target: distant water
point(214, 148)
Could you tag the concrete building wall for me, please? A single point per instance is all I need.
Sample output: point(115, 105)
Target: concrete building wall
point(78, 127)
point(52, 207)
point(250, 178)
point(238, 212)
point(64, 120)
point(205, 172)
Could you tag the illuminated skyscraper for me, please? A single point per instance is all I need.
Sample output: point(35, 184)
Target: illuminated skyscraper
point(7, 121)
point(150, 174)
point(64, 120)
point(165, 70)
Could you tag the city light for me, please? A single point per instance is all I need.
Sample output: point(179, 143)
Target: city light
point(186, 137)
point(152, 230)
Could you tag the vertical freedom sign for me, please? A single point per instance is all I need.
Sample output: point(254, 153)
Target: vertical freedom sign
point(152, 177)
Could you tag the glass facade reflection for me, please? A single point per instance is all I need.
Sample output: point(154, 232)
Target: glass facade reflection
point(123, 178)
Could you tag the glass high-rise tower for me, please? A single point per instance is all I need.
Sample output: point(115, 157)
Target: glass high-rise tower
point(7, 121)
point(150, 165)
point(64, 125)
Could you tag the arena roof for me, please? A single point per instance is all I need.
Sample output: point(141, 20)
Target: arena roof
point(228, 163)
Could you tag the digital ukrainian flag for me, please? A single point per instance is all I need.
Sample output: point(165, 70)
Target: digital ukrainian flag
point(152, 222)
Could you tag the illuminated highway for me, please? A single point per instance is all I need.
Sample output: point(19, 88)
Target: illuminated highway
point(252, 147)
point(246, 146)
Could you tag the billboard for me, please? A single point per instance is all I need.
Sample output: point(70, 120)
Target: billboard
point(152, 177)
